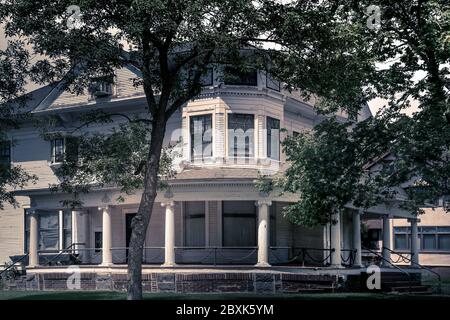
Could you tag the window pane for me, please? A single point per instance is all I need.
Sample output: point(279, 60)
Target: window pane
point(240, 135)
point(444, 229)
point(67, 225)
point(49, 231)
point(98, 241)
point(400, 242)
point(58, 150)
point(235, 76)
point(5, 153)
point(272, 83)
point(401, 230)
point(194, 223)
point(201, 136)
point(428, 242)
point(428, 229)
point(239, 224)
point(444, 241)
point(273, 138)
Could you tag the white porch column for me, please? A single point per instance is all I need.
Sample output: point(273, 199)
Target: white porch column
point(263, 232)
point(357, 237)
point(34, 240)
point(335, 240)
point(386, 241)
point(61, 230)
point(169, 248)
point(414, 242)
point(106, 237)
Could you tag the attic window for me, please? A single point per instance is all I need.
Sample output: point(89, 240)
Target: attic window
point(102, 89)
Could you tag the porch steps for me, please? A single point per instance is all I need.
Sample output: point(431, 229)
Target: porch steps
point(400, 283)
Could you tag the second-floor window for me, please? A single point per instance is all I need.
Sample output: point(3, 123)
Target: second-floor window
point(241, 135)
point(58, 150)
point(65, 149)
point(273, 138)
point(5, 153)
point(201, 136)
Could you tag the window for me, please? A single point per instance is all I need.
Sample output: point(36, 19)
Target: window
point(71, 149)
point(234, 76)
point(98, 241)
point(67, 228)
point(201, 136)
point(273, 225)
point(5, 153)
point(194, 223)
point(240, 135)
point(49, 230)
point(239, 223)
point(65, 149)
point(430, 238)
point(273, 84)
point(102, 89)
point(207, 78)
point(273, 138)
point(58, 150)
point(27, 230)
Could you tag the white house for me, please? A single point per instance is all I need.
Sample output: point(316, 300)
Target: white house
point(212, 217)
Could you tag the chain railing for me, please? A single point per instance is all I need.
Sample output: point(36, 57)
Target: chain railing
point(303, 255)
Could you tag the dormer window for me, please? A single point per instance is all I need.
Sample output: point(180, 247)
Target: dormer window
point(5, 154)
point(237, 77)
point(102, 89)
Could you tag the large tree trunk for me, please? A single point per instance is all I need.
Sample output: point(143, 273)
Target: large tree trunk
point(141, 220)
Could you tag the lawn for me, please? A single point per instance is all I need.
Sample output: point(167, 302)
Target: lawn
point(112, 295)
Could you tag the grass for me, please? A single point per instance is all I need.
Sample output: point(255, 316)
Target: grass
point(113, 295)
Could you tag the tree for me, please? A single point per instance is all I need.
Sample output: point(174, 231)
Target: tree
point(308, 45)
point(13, 72)
point(330, 166)
point(173, 43)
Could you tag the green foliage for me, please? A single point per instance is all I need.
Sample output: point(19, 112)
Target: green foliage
point(116, 158)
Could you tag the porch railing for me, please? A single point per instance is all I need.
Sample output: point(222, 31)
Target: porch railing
point(403, 258)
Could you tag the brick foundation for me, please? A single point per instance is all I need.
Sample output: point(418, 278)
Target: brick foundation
point(187, 282)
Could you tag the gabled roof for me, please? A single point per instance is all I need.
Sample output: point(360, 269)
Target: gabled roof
point(58, 98)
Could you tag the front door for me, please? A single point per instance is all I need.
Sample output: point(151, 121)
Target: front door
point(128, 218)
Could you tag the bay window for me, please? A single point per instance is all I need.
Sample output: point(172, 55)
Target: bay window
point(201, 136)
point(241, 135)
point(273, 138)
